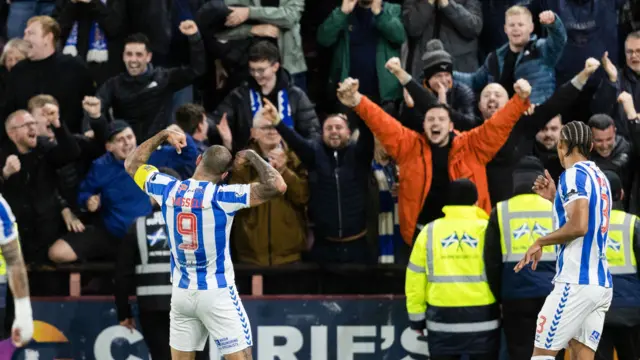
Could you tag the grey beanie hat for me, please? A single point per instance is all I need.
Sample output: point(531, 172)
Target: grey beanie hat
point(436, 59)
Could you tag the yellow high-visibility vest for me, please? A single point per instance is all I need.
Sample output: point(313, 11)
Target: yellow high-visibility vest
point(446, 268)
point(522, 220)
point(620, 254)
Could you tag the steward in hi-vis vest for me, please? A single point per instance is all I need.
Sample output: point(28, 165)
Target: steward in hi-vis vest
point(446, 285)
point(514, 225)
point(622, 324)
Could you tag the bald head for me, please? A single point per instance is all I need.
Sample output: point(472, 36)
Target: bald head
point(493, 98)
point(216, 160)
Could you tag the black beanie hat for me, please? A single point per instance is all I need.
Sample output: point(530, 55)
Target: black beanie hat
point(525, 173)
point(462, 192)
point(436, 59)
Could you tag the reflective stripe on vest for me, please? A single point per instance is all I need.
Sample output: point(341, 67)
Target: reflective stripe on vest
point(505, 218)
point(621, 223)
point(463, 327)
point(3, 279)
point(445, 278)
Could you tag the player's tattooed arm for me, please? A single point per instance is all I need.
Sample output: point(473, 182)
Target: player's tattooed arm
point(16, 269)
point(271, 182)
point(173, 135)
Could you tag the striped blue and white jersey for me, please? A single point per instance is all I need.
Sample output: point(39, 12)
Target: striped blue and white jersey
point(8, 227)
point(198, 217)
point(583, 260)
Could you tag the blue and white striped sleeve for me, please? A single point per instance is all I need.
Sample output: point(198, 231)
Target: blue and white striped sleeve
point(232, 198)
point(8, 224)
point(153, 182)
point(574, 185)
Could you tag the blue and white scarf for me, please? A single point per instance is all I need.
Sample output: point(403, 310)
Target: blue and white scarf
point(97, 43)
point(388, 225)
point(284, 109)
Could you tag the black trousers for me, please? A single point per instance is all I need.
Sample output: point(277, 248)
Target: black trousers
point(626, 341)
point(155, 329)
point(519, 321)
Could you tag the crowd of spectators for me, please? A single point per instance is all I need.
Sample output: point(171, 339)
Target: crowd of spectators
point(83, 81)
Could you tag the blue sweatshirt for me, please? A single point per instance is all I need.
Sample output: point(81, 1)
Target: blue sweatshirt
point(121, 200)
point(184, 163)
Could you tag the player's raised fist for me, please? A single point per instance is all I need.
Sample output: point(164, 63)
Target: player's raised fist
point(188, 27)
point(591, 65)
point(242, 157)
point(522, 88)
point(348, 92)
point(176, 137)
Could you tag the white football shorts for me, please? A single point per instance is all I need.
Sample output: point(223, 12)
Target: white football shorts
point(572, 311)
point(196, 314)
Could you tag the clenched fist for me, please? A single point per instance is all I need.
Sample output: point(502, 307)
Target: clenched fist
point(393, 65)
point(348, 92)
point(93, 203)
point(11, 166)
point(93, 106)
point(591, 65)
point(522, 88)
point(188, 27)
point(547, 17)
point(52, 113)
point(626, 100)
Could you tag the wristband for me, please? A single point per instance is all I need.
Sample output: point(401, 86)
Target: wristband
point(23, 307)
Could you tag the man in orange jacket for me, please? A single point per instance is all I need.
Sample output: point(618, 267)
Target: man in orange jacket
point(429, 161)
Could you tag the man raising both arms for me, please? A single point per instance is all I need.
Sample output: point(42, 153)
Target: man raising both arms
point(198, 213)
point(22, 329)
point(573, 314)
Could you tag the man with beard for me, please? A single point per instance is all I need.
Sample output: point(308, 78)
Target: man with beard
point(143, 95)
point(520, 140)
point(268, 81)
point(338, 186)
point(610, 151)
point(30, 164)
point(108, 189)
point(545, 147)
point(439, 155)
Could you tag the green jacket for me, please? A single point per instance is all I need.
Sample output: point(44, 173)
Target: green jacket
point(334, 32)
point(286, 17)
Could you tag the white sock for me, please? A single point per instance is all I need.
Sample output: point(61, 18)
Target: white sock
point(543, 357)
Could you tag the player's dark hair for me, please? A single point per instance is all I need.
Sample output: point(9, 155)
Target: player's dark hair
point(600, 121)
point(216, 160)
point(577, 135)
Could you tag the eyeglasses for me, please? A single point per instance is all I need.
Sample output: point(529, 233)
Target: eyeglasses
point(25, 124)
point(631, 52)
point(267, 127)
point(258, 71)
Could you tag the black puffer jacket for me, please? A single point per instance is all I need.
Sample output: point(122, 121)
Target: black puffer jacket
point(618, 162)
point(237, 106)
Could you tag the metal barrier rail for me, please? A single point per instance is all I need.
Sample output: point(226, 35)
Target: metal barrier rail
point(256, 273)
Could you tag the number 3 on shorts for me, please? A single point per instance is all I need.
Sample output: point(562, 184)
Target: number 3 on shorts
point(542, 321)
point(187, 224)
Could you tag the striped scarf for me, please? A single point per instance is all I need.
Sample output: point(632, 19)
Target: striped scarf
point(388, 224)
point(284, 109)
point(98, 51)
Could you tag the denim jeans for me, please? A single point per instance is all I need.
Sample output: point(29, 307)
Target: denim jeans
point(21, 11)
